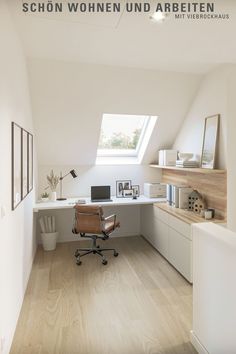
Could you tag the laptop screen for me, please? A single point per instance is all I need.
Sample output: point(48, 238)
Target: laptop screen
point(100, 192)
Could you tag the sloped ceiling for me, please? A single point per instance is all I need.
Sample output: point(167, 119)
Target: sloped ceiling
point(68, 101)
point(129, 39)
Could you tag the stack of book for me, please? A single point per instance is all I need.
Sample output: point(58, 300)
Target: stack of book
point(189, 163)
point(178, 196)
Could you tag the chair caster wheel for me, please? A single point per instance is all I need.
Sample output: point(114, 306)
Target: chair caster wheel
point(76, 253)
point(78, 263)
point(116, 254)
point(104, 262)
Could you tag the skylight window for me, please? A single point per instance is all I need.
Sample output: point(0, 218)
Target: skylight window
point(124, 135)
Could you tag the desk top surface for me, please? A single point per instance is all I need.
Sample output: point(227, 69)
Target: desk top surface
point(70, 202)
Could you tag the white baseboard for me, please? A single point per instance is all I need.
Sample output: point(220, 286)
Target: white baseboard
point(72, 238)
point(197, 344)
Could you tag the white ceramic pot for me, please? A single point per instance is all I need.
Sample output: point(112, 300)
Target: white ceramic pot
point(49, 240)
point(44, 199)
point(54, 196)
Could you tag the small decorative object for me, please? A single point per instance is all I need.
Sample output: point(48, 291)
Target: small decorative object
point(136, 191)
point(53, 181)
point(53, 196)
point(192, 198)
point(210, 141)
point(199, 205)
point(128, 193)
point(45, 196)
point(213, 211)
point(208, 214)
point(202, 213)
point(121, 186)
point(22, 164)
point(185, 156)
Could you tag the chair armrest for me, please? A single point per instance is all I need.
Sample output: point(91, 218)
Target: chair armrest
point(107, 219)
point(110, 217)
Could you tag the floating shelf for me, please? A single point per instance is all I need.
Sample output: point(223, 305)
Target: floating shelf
point(187, 169)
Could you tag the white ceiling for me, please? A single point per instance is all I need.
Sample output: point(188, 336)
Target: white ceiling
point(132, 40)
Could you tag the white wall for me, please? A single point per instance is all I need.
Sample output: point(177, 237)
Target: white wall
point(70, 98)
point(98, 175)
point(231, 148)
point(17, 246)
point(210, 99)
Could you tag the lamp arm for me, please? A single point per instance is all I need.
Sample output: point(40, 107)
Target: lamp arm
point(62, 177)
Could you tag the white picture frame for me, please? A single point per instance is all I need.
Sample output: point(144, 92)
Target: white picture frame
point(128, 193)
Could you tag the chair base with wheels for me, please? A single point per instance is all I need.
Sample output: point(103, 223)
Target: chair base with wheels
point(88, 218)
point(95, 249)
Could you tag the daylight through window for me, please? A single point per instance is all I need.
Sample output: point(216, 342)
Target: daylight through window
point(121, 134)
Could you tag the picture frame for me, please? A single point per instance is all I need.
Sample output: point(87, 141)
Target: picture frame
point(136, 190)
point(122, 185)
point(210, 137)
point(16, 165)
point(30, 162)
point(22, 164)
point(128, 193)
point(25, 163)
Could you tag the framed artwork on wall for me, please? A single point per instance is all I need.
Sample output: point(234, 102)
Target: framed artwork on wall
point(22, 164)
point(30, 162)
point(121, 186)
point(210, 141)
point(16, 165)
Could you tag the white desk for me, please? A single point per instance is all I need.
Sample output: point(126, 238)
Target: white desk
point(127, 210)
point(70, 202)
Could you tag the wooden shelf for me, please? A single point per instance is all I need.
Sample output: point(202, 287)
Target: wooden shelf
point(185, 215)
point(187, 169)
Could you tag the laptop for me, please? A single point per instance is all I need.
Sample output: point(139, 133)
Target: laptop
point(101, 194)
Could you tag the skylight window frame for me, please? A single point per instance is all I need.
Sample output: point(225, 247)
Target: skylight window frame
point(126, 152)
point(129, 156)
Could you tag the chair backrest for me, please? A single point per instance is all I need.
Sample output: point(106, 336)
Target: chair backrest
point(89, 219)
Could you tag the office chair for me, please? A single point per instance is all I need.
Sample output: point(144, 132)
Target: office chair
point(90, 223)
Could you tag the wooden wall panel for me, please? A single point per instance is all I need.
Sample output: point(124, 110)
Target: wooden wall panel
point(213, 186)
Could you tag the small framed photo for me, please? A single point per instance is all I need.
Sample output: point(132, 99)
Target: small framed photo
point(128, 193)
point(121, 186)
point(136, 190)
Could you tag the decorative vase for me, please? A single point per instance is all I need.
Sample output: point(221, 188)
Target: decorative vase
point(54, 196)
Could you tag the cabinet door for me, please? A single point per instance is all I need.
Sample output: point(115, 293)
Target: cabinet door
point(180, 251)
point(161, 237)
point(147, 222)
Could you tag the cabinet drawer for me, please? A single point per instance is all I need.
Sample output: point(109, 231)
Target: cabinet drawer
point(161, 215)
point(180, 226)
point(180, 253)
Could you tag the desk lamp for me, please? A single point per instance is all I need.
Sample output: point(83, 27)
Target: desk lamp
point(73, 174)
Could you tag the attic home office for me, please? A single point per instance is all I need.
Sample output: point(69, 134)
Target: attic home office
point(100, 115)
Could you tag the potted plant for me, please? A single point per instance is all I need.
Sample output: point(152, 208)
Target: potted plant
point(53, 181)
point(44, 197)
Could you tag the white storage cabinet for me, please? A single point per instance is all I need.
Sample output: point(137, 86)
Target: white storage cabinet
point(170, 236)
